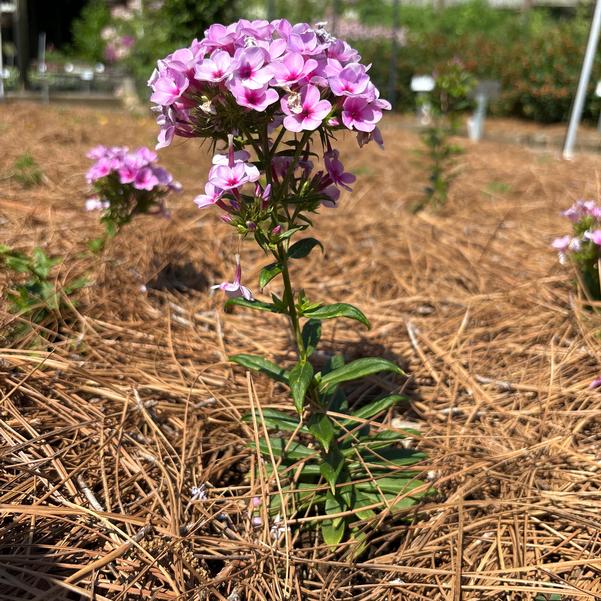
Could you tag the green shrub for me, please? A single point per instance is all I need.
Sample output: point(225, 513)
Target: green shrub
point(537, 58)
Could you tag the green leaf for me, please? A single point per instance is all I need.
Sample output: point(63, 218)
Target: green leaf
point(77, 284)
point(332, 532)
point(295, 452)
point(358, 369)
point(268, 273)
point(311, 334)
point(331, 466)
point(396, 486)
point(277, 420)
point(291, 232)
point(337, 310)
point(17, 262)
point(335, 362)
point(321, 426)
point(255, 304)
point(300, 249)
point(335, 504)
point(299, 380)
point(275, 372)
point(388, 457)
point(370, 410)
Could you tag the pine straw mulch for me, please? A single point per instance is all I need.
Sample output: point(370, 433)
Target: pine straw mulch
point(105, 433)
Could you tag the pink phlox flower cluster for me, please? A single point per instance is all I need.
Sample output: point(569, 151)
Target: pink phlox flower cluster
point(137, 167)
point(586, 219)
point(297, 75)
point(581, 209)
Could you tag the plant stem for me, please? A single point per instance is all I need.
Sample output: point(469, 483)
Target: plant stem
point(289, 299)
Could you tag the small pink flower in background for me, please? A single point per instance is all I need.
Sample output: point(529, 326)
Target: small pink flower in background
point(561, 243)
point(306, 114)
point(95, 204)
point(594, 236)
point(596, 383)
point(235, 289)
point(145, 179)
point(122, 177)
point(99, 170)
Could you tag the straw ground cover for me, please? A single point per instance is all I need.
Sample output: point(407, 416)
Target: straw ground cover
point(105, 434)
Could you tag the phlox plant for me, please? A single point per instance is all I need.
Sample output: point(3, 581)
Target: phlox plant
point(583, 248)
point(32, 292)
point(447, 101)
point(125, 184)
point(273, 96)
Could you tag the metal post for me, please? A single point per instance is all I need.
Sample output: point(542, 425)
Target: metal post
point(392, 75)
point(585, 75)
point(1, 62)
point(23, 43)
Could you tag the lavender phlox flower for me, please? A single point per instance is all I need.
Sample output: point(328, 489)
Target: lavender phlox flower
point(210, 197)
point(235, 289)
point(291, 69)
point(249, 67)
point(168, 87)
point(257, 99)
point(352, 80)
point(594, 236)
point(96, 204)
point(312, 111)
point(335, 170)
point(214, 69)
point(220, 36)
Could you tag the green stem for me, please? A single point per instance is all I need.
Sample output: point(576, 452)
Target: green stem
point(282, 257)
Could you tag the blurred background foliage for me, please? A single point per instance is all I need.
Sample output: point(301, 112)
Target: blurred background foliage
point(536, 54)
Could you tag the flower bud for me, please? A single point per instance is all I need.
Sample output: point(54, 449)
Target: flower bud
point(251, 226)
point(277, 230)
point(226, 218)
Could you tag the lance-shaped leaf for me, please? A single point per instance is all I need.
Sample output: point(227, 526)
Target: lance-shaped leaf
point(281, 448)
point(268, 273)
point(332, 466)
point(321, 426)
point(300, 249)
point(299, 379)
point(337, 310)
point(373, 408)
point(254, 304)
point(275, 372)
point(311, 334)
point(276, 420)
point(358, 369)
